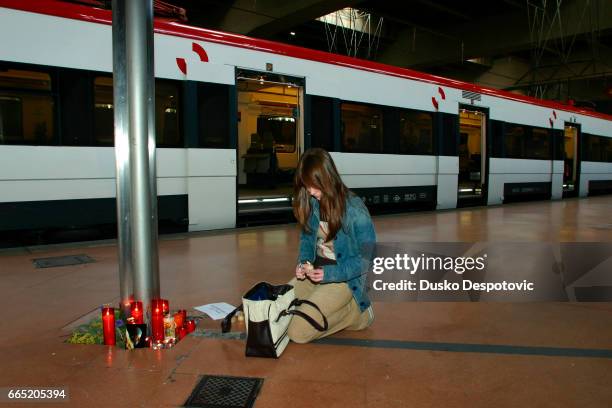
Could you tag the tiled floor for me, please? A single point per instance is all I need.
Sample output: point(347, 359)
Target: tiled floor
point(220, 266)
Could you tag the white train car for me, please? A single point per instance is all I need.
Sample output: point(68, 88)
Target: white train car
point(233, 115)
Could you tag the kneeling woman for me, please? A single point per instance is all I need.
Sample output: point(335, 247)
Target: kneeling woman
point(336, 244)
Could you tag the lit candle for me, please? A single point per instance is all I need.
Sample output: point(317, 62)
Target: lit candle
point(183, 313)
point(179, 320)
point(181, 332)
point(108, 325)
point(136, 311)
point(190, 326)
point(157, 323)
point(165, 306)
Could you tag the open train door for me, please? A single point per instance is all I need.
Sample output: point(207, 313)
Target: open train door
point(270, 144)
point(571, 160)
point(473, 157)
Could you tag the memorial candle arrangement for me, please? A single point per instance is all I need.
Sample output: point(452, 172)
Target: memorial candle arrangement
point(165, 328)
point(108, 325)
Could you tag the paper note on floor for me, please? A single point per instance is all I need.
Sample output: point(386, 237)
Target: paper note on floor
point(216, 311)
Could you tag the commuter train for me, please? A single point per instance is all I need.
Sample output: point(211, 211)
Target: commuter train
point(233, 115)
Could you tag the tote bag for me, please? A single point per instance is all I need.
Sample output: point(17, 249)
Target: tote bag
point(268, 310)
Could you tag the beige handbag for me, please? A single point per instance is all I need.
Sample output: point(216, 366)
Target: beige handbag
point(268, 310)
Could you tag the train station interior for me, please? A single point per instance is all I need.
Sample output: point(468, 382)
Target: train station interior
point(437, 174)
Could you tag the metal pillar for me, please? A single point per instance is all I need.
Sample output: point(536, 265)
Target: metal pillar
point(136, 176)
point(122, 156)
point(152, 149)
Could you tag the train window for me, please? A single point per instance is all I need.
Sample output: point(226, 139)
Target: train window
point(514, 141)
point(591, 148)
point(322, 122)
point(167, 130)
point(606, 149)
point(103, 111)
point(27, 108)
point(497, 139)
point(597, 148)
point(22, 79)
point(448, 132)
point(538, 145)
point(416, 132)
point(526, 142)
point(361, 128)
point(213, 113)
point(75, 99)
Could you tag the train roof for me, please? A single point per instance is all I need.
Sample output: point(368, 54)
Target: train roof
point(65, 9)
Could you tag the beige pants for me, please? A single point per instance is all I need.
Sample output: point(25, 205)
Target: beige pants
point(337, 304)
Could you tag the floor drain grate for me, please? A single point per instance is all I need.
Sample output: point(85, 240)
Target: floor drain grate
point(62, 261)
point(225, 392)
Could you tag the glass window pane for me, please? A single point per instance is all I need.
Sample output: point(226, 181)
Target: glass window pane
point(361, 128)
point(167, 130)
point(322, 122)
point(21, 79)
point(416, 133)
point(606, 149)
point(514, 141)
point(103, 111)
point(26, 117)
point(538, 145)
point(213, 115)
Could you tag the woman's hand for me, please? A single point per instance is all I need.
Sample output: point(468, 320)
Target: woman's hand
point(315, 275)
point(300, 272)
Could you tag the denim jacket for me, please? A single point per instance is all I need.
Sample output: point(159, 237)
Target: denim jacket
point(353, 246)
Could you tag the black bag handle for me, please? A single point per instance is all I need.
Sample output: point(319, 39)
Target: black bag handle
point(313, 322)
point(226, 324)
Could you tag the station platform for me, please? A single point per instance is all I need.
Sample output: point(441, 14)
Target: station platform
point(415, 354)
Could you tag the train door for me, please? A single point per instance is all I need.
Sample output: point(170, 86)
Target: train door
point(570, 160)
point(270, 142)
point(472, 156)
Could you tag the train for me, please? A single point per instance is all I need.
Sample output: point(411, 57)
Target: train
point(234, 114)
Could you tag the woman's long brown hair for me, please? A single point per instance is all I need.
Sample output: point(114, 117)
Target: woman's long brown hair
point(317, 169)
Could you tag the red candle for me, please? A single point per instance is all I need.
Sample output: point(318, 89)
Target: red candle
point(190, 326)
point(157, 323)
point(165, 306)
point(108, 325)
point(179, 321)
point(183, 313)
point(136, 311)
point(181, 332)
